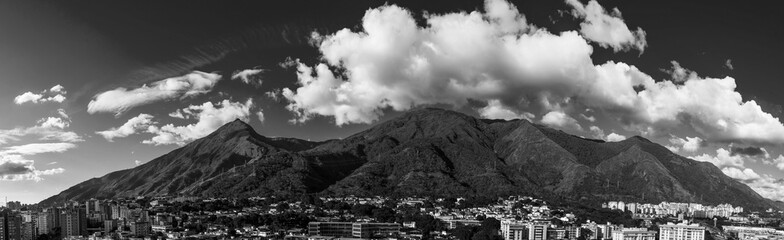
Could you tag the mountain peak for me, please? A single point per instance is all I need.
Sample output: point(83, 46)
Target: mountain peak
point(235, 126)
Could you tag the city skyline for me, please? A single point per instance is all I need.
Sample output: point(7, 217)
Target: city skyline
point(86, 91)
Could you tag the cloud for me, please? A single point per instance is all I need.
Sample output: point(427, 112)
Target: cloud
point(249, 76)
point(728, 64)
point(54, 122)
point(210, 117)
point(722, 159)
point(689, 144)
point(54, 94)
point(596, 132)
point(750, 151)
point(37, 148)
point(132, 126)
point(496, 110)
point(680, 74)
point(121, 99)
point(614, 137)
point(137, 162)
point(607, 29)
point(394, 64)
point(47, 129)
point(260, 115)
point(764, 184)
point(736, 173)
point(274, 94)
point(16, 168)
point(777, 162)
point(561, 120)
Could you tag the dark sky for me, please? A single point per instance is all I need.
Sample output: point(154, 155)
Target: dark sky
point(93, 46)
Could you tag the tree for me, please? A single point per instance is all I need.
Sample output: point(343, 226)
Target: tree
point(384, 214)
point(282, 207)
point(491, 224)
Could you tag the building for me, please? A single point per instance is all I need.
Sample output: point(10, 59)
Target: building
point(141, 228)
point(367, 230)
point(681, 231)
point(537, 231)
point(347, 229)
point(633, 234)
point(28, 231)
point(44, 223)
point(109, 226)
point(10, 226)
point(455, 223)
point(330, 229)
point(514, 230)
point(73, 222)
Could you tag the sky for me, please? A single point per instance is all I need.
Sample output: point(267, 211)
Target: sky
point(91, 87)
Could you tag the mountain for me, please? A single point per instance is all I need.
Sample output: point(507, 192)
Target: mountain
point(425, 152)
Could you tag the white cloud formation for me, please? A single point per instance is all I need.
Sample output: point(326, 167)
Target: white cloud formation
point(561, 120)
point(496, 110)
point(728, 64)
point(16, 168)
point(737, 173)
point(210, 117)
point(54, 94)
point(260, 115)
point(37, 148)
point(607, 29)
point(132, 126)
point(777, 162)
point(689, 144)
point(123, 99)
point(249, 76)
point(393, 64)
point(596, 132)
point(722, 159)
point(614, 137)
point(47, 129)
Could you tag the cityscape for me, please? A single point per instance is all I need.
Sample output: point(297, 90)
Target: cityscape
point(512, 218)
point(391, 120)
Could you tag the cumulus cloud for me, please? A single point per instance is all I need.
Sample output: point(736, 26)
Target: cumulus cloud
point(777, 162)
point(689, 144)
point(132, 126)
point(210, 117)
point(496, 110)
point(679, 73)
point(722, 159)
point(614, 137)
point(561, 120)
point(274, 94)
point(607, 29)
point(249, 76)
point(728, 64)
point(122, 99)
point(750, 151)
point(764, 184)
point(744, 174)
point(394, 64)
point(16, 168)
point(53, 94)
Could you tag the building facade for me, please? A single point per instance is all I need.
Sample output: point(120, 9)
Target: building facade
point(681, 231)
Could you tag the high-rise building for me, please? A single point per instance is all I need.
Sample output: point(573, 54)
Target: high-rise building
point(73, 222)
point(10, 226)
point(514, 230)
point(681, 231)
point(368, 230)
point(29, 231)
point(633, 234)
point(44, 223)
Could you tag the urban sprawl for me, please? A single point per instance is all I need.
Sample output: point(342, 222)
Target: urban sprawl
point(323, 218)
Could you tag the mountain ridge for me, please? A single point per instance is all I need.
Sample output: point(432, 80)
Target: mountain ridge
point(425, 151)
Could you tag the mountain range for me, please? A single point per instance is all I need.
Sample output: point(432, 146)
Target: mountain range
point(425, 152)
